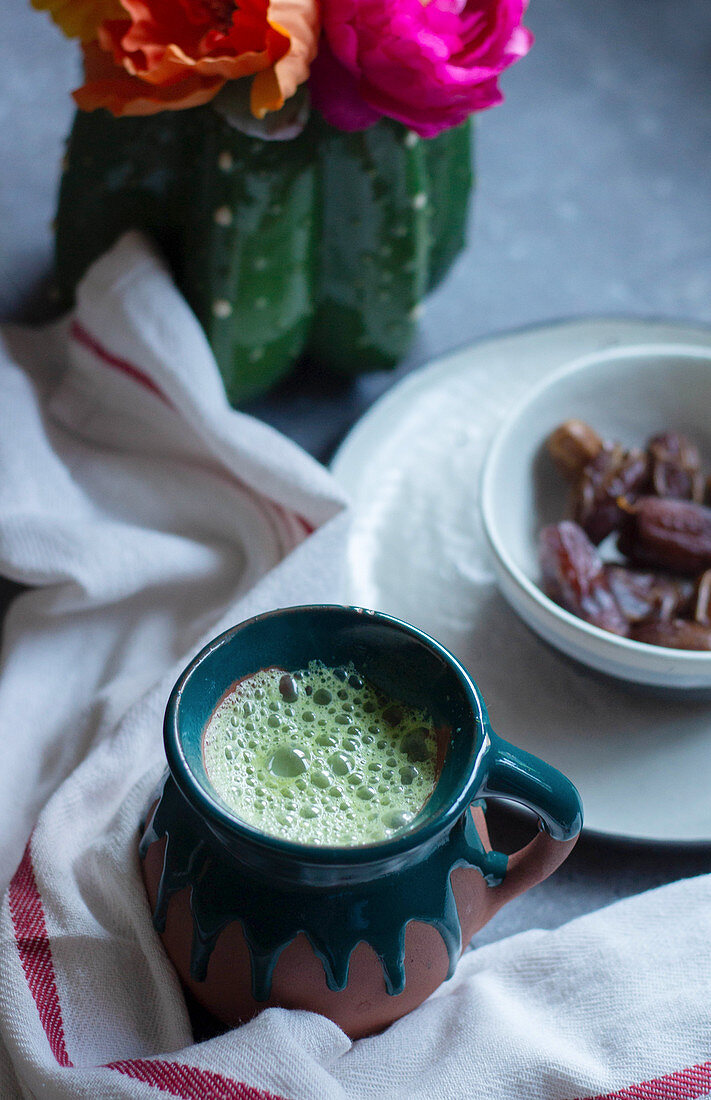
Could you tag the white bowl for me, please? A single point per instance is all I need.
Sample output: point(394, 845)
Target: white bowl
point(626, 394)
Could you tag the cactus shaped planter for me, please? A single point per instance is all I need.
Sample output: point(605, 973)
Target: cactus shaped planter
point(322, 246)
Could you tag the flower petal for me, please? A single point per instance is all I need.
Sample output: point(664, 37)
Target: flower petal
point(300, 21)
point(110, 86)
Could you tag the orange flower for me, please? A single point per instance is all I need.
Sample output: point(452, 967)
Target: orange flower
point(173, 54)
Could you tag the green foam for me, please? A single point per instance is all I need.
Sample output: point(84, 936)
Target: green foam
point(320, 757)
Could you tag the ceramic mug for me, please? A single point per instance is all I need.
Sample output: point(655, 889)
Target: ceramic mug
point(362, 934)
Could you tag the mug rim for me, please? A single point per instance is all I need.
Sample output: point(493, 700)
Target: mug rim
point(227, 822)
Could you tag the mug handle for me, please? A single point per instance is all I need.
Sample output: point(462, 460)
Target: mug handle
point(521, 777)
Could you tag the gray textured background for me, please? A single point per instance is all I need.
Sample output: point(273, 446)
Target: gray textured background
point(593, 199)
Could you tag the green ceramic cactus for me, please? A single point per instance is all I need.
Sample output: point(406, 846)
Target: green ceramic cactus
point(320, 246)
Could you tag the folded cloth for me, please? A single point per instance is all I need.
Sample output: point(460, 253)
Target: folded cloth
point(147, 516)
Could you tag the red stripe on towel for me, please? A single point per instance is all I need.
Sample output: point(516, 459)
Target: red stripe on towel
point(188, 1082)
point(685, 1084)
point(35, 954)
point(85, 338)
point(32, 938)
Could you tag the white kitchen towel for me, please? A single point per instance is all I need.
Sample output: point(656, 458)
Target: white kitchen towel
point(147, 516)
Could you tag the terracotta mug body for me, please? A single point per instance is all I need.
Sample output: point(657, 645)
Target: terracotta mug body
point(361, 934)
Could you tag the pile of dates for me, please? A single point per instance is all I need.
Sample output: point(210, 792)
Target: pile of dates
point(655, 501)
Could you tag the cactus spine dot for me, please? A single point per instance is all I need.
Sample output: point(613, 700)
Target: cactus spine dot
point(223, 216)
point(221, 308)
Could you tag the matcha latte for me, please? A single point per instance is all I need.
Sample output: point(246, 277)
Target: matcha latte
point(320, 756)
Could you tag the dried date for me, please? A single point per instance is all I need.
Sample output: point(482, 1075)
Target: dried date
point(572, 445)
point(675, 634)
point(675, 467)
point(574, 576)
point(643, 596)
point(674, 535)
point(655, 498)
point(612, 474)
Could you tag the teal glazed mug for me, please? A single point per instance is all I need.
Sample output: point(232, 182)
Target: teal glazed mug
point(362, 934)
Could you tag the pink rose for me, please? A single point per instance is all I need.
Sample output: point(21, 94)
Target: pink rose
point(426, 63)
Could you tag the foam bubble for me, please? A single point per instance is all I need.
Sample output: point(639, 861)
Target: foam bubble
point(288, 761)
point(340, 764)
point(300, 765)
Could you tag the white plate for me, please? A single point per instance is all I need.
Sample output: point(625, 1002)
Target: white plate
point(412, 466)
